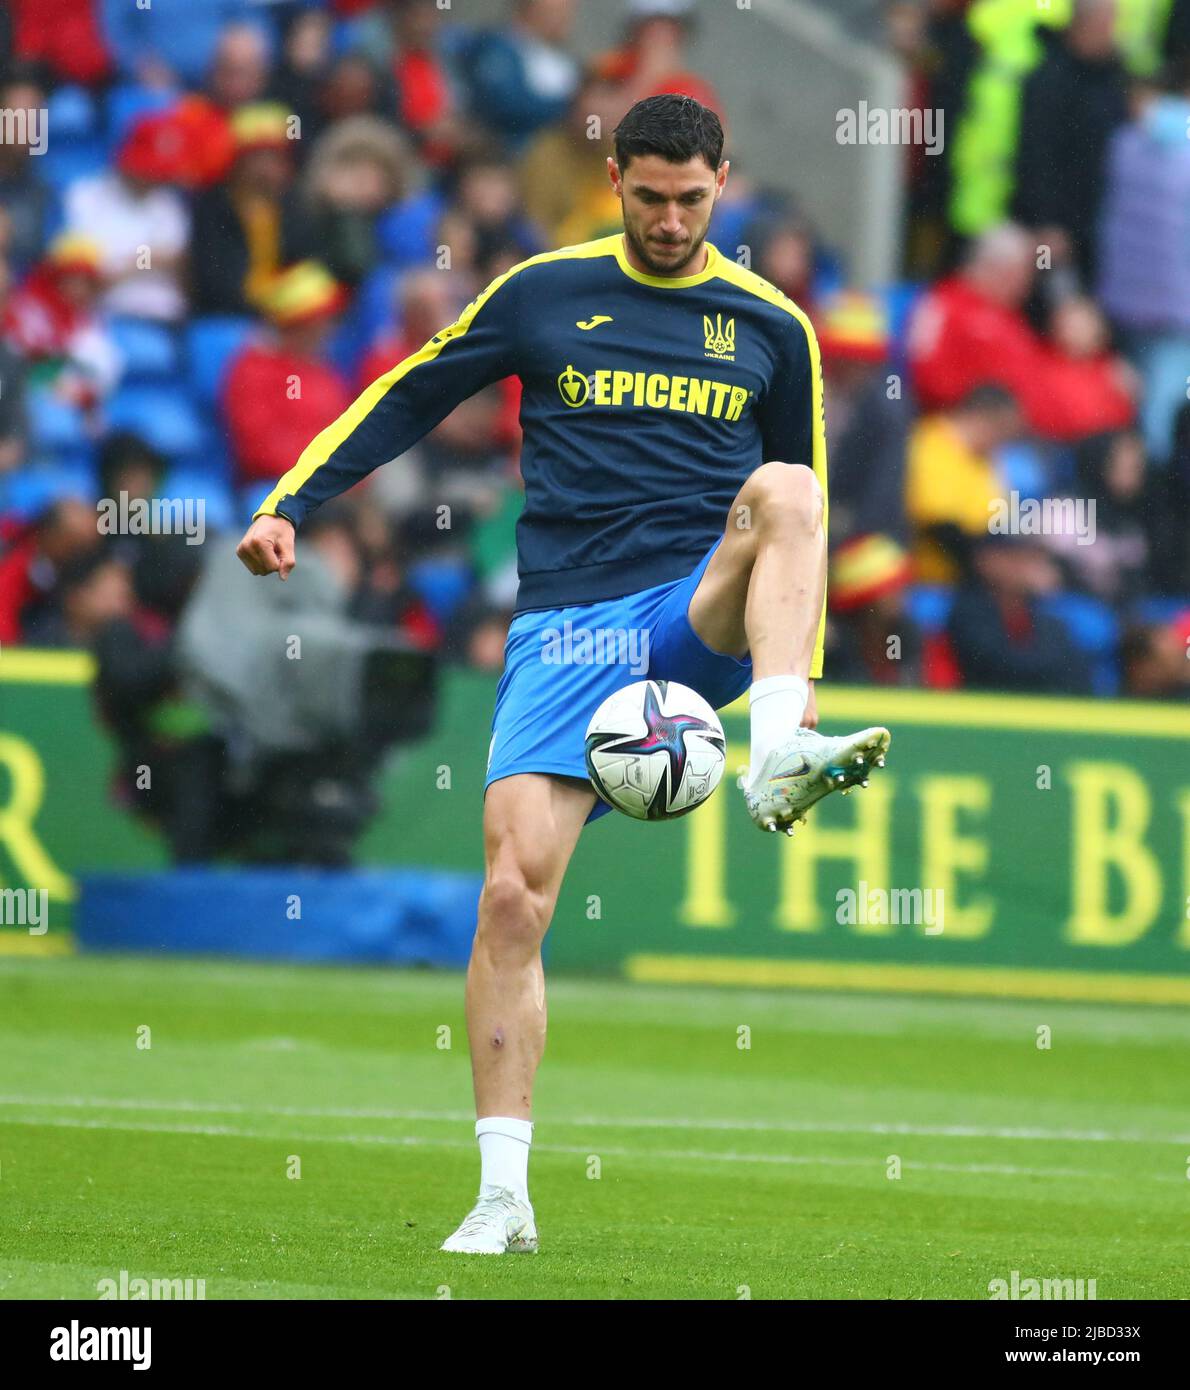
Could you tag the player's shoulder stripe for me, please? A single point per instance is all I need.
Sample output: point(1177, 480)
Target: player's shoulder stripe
point(748, 280)
point(583, 250)
point(604, 246)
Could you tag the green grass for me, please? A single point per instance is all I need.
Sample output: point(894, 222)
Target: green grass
point(720, 1167)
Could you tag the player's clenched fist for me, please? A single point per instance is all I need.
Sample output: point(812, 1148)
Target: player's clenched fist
point(268, 546)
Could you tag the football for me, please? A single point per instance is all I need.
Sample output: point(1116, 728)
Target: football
point(655, 750)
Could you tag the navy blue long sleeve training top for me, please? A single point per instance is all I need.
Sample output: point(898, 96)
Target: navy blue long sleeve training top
point(647, 401)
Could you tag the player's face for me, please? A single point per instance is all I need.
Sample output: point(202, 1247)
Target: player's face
point(667, 208)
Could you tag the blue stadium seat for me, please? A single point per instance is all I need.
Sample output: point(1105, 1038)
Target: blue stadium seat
point(929, 606)
point(63, 163)
point(30, 491)
point(442, 585)
point(210, 460)
point(1094, 629)
point(211, 343)
point(54, 425)
point(127, 103)
point(150, 350)
point(165, 416)
point(1023, 466)
point(405, 233)
point(220, 510)
point(72, 114)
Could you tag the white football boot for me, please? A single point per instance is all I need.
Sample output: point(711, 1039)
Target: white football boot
point(498, 1224)
point(806, 768)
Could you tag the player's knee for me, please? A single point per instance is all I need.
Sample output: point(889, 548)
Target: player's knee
point(514, 913)
point(787, 496)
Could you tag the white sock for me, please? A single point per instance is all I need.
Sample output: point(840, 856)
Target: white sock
point(504, 1154)
point(777, 704)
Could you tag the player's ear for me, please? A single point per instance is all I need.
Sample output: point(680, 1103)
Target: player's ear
point(721, 177)
point(613, 173)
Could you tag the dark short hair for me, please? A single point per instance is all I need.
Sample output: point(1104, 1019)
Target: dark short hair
point(676, 127)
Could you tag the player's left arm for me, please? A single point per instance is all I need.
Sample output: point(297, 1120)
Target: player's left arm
point(792, 426)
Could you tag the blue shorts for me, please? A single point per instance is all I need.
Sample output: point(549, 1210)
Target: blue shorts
point(560, 664)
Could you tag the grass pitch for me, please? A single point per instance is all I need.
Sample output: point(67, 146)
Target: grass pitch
point(670, 1160)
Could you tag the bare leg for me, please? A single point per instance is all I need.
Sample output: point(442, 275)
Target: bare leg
point(762, 591)
point(531, 826)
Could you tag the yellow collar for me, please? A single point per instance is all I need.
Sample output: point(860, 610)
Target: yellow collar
point(668, 282)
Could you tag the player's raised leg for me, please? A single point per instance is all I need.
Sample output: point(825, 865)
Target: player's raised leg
point(531, 826)
point(762, 595)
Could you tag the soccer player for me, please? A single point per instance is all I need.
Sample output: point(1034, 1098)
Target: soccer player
point(674, 464)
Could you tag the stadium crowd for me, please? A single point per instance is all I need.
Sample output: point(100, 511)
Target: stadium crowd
point(242, 213)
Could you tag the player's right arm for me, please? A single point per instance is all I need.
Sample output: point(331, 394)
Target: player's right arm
point(388, 417)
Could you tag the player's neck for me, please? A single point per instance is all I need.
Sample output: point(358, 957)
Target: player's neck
point(694, 266)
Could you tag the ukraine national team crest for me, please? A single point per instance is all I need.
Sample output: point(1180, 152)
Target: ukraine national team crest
point(720, 338)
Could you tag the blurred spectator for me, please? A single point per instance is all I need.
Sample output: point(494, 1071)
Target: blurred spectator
point(358, 168)
point(128, 465)
point(782, 245)
point(953, 478)
point(1144, 273)
point(875, 640)
point(563, 174)
point(27, 200)
point(867, 421)
point(31, 569)
point(360, 544)
point(253, 223)
point(653, 58)
point(970, 328)
point(13, 423)
point(465, 465)
point(477, 633)
point(1001, 638)
point(404, 41)
point(304, 63)
point(352, 87)
point(487, 197)
point(1171, 488)
point(139, 694)
point(1008, 45)
point(520, 77)
point(279, 393)
point(428, 301)
point(92, 590)
point(1114, 567)
point(1155, 660)
point(1073, 102)
point(140, 223)
point(936, 43)
point(240, 67)
point(52, 322)
point(172, 42)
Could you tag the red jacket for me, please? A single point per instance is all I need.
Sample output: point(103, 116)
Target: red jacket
point(275, 403)
point(959, 339)
point(16, 588)
point(65, 37)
